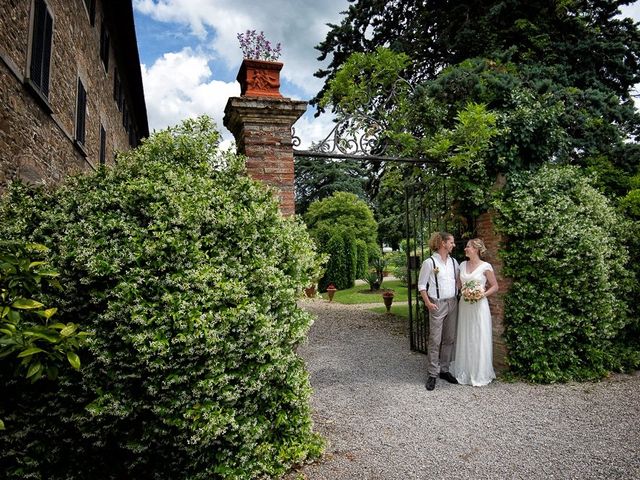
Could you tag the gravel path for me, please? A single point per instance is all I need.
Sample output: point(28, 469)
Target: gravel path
point(370, 404)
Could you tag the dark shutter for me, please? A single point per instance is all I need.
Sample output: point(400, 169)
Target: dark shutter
point(117, 89)
point(81, 108)
point(103, 145)
point(91, 9)
point(41, 47)
point(104, 46)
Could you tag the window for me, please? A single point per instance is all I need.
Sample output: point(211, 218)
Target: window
point(125, 117)
point(104, 46)
point(91, 10)
point(103, 145)
point(117, 89)
point(81, 109)
point(41, 48)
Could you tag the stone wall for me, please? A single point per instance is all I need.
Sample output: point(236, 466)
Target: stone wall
point(36, 144)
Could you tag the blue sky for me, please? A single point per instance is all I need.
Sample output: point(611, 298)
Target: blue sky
point(190, 54)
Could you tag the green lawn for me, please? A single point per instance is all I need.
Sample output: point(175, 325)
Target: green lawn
point(362, 294)
point(399, 310)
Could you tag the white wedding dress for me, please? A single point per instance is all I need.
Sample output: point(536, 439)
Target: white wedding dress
point(473, 364)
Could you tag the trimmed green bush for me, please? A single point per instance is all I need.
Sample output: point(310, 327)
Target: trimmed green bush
point(187, 276)
point(567, 308)
point(362, 259)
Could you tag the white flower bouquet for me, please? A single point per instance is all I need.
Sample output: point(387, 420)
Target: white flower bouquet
point(472, 291)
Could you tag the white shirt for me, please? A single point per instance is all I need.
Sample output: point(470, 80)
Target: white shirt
point(446, 277)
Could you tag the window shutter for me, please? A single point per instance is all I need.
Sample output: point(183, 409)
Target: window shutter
point(91, 9)
point(104, 46)
point(81, 108)
point(103, 145)
point(41, 47)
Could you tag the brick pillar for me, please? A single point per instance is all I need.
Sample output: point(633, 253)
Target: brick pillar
point(486, 231)
point(262, 129)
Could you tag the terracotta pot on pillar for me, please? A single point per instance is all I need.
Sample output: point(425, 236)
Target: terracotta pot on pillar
point(259, 78)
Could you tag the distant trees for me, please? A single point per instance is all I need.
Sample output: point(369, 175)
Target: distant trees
point(337, 224)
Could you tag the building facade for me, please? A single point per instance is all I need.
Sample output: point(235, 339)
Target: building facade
point(71, 91)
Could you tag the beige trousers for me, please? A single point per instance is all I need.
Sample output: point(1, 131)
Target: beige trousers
point(442, 335)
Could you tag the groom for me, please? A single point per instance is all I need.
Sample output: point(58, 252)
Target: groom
point(437, 286)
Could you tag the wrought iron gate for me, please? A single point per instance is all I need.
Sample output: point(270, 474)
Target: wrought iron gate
point(427, 208)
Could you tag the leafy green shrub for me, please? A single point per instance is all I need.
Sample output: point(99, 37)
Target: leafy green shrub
point(187, 276)
point(339, 269)
point(567, 307)
point(362, 259)
point(27, 329)
point(398, 263)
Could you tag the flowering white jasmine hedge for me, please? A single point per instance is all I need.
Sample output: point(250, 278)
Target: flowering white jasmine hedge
point(566, 315)
point(187, 276)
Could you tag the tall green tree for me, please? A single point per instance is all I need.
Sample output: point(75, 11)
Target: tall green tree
point(317, 179)
point(577, 52)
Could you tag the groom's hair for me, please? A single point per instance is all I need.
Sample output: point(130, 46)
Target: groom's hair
point(437, 239)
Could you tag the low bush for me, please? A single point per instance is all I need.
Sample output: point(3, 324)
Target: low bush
point(187, 277)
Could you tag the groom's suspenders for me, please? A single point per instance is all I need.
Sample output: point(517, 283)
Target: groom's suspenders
point(436, 277)
point(453, 260)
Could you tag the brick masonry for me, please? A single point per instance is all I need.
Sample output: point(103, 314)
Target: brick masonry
point(37, 145)
point(486, 230)
point(262, 129)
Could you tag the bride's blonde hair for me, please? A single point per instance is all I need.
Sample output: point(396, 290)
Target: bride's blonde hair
point(479, 245)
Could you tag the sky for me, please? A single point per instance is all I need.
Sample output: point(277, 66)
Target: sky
point(190, 54)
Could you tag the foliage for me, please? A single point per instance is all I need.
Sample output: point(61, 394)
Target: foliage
point(371, 279)
point(188, 276)
point(316, 180)
point(555, 80)
point(340, 268)
point(362, 258)
point(28, 332)
point(398, 263)
point(343, 211)
point(567, 307)
point(256, 47)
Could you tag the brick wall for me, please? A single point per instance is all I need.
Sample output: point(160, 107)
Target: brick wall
point(262, 129)
point(486, 231)
point(38, 145)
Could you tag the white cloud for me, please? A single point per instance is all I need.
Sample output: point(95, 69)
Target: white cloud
point(298, 25)
point(180, 85)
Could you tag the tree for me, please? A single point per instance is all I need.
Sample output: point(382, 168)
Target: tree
point(578, 53)
point(317, 179)
point(346, 212)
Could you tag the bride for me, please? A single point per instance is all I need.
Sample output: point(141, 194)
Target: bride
point(474, 351)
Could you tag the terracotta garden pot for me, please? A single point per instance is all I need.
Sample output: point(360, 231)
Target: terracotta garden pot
point(387, 297)
point(259, 78)
point(331, 290)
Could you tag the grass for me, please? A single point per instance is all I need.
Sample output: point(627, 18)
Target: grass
point(399, 310)
point(362, 294)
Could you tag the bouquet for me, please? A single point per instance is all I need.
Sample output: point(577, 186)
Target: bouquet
point(472, 291)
